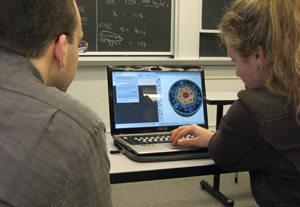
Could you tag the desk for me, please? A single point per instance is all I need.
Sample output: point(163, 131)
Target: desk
point(124, 170)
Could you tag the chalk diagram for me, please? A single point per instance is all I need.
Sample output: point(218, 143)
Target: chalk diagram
point(185, 97)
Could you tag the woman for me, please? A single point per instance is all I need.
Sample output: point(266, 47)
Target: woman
point(261, 131)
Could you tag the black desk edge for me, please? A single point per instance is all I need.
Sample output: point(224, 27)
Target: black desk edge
point(219, 102)
point(164, 174)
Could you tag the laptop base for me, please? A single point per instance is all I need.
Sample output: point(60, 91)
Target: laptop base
point(161, 157)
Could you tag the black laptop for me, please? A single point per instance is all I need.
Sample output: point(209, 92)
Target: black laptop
point(147, 102)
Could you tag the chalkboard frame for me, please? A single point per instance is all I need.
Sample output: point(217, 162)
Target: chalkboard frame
point(170, 53)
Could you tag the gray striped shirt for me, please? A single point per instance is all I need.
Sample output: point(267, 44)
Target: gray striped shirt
point(52, 148)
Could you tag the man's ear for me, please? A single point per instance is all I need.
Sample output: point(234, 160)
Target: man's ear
point(60, 50)
point(260, 56)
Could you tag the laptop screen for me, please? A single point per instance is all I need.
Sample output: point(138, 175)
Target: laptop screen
point(156, 98)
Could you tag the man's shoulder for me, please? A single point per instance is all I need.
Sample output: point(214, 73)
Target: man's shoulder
point(73, 109)
point(18, 76)
point(50, 100)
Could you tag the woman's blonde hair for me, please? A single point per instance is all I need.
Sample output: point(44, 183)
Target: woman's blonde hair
point(275, 26)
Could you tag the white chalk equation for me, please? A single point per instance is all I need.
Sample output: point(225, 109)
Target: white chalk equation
point(123, 14)
point(84, 18)
point(148, 3)
point(113, 35)
point(114, 39)
point(156, 3)
point(81, 9)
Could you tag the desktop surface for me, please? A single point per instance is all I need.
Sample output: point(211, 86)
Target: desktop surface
point(125, 170)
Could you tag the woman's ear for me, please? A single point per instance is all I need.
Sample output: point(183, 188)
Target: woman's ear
point(60, 50)
point(260, 56)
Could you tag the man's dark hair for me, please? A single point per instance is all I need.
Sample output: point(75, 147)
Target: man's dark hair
point(27, 27)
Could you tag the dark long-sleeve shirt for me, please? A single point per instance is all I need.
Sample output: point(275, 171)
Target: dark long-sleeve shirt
point(259, 134)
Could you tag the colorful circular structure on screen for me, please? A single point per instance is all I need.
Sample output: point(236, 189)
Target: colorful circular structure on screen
point(185, 97)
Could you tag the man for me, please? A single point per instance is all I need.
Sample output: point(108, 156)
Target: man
point(52, 148)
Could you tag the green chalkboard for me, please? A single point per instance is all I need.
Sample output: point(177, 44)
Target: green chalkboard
point(127, 25)
point(212, 13)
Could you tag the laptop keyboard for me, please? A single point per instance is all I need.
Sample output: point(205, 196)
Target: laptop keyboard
point(146, 139)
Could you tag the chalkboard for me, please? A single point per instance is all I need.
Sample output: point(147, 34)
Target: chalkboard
point(212, 12)
point(210, 46)
point(127, 25)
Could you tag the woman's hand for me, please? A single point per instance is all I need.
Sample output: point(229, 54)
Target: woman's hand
point(201, 136)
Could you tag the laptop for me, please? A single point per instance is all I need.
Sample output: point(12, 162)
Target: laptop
point(151, 101)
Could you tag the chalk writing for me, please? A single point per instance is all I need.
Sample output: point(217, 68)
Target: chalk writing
point(137, 15)
point(84, 21)
point(110, 1)
point(105, 25)
point(130, 2)
point(126, 25)
point(142, 44)
point(124, 29)
point(156, 3)
point(110, 37)
point(81, 9)
point(148, 3)
point(139, 31)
